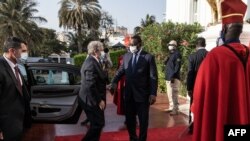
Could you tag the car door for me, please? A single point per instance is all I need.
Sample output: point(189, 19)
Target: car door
point(54, 92)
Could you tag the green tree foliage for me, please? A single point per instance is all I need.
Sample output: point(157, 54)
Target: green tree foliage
point(72, 43)
point(106, 23)
point(79, 59)
point(157, 36)
point(79, 15)
point(17, 19)
point(49, 44)
point(149, 20)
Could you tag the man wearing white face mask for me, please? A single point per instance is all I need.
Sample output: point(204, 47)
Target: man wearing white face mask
point(92, 95)
point(139, 69)
point(172, 76)
point(14, 96)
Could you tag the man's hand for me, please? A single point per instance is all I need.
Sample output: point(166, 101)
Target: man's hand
point(152, 99)
point(1, 135)
point(102, 105)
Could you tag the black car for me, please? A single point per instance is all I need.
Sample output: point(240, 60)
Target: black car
point(54, 89)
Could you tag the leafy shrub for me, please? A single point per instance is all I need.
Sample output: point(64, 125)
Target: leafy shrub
point(114, 55)
point(157, 36)
point(79, 59)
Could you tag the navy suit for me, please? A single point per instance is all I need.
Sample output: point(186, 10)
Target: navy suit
point(195, 60)
point(139, 85)
point(14, 105)
point(173, 66)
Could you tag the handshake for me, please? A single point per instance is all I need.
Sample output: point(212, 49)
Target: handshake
point(112, 88)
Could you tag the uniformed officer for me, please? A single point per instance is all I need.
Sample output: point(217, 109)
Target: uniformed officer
point(172, 76)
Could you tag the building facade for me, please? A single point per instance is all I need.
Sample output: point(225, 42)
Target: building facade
point(190, 11)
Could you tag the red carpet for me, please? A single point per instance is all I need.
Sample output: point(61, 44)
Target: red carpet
point(154, 134)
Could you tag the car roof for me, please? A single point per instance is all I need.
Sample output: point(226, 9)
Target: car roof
point(54, 65)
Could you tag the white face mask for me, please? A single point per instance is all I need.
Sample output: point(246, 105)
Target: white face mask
point(102, 55)
point(133, 49)
point(24, 56)
point(171, 47)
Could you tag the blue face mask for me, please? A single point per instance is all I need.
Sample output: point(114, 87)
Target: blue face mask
point(221, 40)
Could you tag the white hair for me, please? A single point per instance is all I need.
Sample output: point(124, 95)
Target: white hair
point(94, 46)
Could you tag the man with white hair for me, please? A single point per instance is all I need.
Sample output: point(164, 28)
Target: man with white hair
point(172, 77)
point(92, 95)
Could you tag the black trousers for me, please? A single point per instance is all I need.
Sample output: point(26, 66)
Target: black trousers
point(97, 121)
point(13, 138)
point(141, 109)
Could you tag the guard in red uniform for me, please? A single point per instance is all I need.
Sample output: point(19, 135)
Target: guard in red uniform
point(222, 86)
point(119, 93)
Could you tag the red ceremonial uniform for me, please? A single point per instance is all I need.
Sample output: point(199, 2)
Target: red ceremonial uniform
point(221, 93)
point(222, 86)
point(119, 94)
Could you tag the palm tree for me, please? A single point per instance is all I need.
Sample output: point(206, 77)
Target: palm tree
point(17, 19)
point(72, 41)
point(79, 15)
point(150, 19)
point(137, 30)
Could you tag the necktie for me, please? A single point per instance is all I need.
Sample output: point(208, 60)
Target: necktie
point(101, 63)
point(134, 62)
point(19, 86)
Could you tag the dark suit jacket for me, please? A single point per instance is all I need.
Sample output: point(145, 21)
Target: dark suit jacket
point(173, 66)
point(143, 81)
point(93, 83)
point(14, 106)
point(195, 60)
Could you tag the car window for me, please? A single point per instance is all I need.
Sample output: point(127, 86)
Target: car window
point(54, 77)
point(23, 71)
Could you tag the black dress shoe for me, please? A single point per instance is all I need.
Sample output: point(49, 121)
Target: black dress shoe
point(133, 140)
point(85, 122)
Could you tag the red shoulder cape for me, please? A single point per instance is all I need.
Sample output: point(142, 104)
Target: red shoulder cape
point(221, 93)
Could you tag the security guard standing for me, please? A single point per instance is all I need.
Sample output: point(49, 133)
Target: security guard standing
point(172, 76)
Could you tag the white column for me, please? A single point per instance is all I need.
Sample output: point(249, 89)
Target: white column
point(204, 13)
point(247, 15)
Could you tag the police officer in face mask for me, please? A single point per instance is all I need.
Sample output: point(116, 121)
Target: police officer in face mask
point(172, 77)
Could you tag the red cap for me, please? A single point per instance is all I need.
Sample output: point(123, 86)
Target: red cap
point(232, 11)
